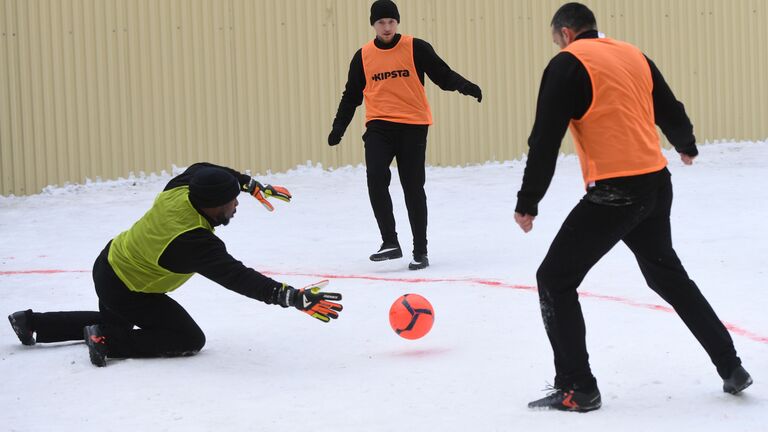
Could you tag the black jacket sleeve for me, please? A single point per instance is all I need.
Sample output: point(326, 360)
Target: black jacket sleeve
point(427, 61)
point(184, 178)
point(200, 251)
point(565, 93)
point(670, 115)
point(352, 96)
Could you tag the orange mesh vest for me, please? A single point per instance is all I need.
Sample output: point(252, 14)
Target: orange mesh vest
point(617, 135)
point(393, 91)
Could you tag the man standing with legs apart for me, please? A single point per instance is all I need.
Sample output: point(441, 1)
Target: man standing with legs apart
point(388, 72)
point(611, 95)
point(160, 252)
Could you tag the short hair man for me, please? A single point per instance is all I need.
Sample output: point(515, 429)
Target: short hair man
point(388, 72)
point(611, 95)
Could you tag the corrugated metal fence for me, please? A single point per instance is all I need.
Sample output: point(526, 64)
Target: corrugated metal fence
point(101, 88)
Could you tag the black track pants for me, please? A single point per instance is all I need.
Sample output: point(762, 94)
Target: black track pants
point(588, 233)
point(164, 328)
point(407, 144)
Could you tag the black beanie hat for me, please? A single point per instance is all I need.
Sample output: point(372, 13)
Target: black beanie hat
point(384, 9)
point(213, 187)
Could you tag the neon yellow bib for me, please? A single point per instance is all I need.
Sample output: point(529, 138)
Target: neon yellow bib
point(135, 253)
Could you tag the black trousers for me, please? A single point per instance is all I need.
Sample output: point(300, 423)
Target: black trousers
point(164, 328)
point(593, 227)
point(407, 144)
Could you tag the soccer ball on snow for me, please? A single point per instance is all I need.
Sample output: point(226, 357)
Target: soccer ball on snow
point(411, 316)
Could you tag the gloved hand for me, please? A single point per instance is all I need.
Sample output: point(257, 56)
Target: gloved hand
point(334, 138)
point(471, 89)
point(262, 192)
point(309, 300)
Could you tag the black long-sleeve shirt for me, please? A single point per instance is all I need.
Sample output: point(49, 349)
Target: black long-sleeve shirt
point(201, 251)
point(565, 93)
point(427, 62)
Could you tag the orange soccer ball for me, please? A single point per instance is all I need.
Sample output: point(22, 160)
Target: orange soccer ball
point(411, 316)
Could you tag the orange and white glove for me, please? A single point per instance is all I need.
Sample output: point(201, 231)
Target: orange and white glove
point(320, 305)
point(262, 192)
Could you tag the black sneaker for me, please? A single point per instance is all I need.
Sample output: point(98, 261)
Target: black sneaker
point(387, 251)
point(738, 381)
point(419, 262)
point(21, 323)
point(568, 400)
point(97, 344)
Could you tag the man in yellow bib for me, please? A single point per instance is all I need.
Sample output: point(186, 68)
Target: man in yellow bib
point(174, 240)
point(612, 97)
point(388, 72)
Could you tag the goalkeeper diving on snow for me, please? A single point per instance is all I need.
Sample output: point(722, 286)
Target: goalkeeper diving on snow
point(174, 240)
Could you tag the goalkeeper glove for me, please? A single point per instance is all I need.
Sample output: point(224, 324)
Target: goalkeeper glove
point(320, 305)
point(262, 192)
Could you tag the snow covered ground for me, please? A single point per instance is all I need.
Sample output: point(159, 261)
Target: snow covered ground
point(266, 368)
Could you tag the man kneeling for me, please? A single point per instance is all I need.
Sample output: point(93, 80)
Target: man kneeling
point(161, 251)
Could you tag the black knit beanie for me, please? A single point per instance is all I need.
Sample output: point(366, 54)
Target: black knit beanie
point(212, 187)
point(384, 9)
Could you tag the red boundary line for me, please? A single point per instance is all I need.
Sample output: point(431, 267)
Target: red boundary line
point(49, 271)
point(485, 282)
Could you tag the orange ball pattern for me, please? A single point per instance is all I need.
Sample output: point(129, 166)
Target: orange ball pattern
point(411, 316)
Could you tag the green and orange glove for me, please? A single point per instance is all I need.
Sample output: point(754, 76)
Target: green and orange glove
point(310, 300)
point(262, 192)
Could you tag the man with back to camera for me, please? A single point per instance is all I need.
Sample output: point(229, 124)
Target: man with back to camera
point(612, 96)
point(388, 72)
point(159, 253)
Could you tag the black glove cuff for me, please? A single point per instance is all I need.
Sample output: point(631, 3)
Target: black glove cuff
point(335, 137)
point(471, 89)
point(690, 149)
point(283, 295)
point(252, 185)
point(525, 206)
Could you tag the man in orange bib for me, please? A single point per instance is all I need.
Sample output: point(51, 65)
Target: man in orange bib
point(388, 72)
point(612, 97)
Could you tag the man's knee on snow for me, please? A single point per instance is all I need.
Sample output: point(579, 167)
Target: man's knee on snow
point(187, 344)
point(196, 341)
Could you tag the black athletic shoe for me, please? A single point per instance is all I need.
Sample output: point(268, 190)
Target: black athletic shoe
point(20, 321)
point(568, 400)
point(419, 262)
point(738, 381)
point(97, 345)
point(387, 251)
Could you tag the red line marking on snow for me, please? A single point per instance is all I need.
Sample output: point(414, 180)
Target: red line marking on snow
point(485, 282)
point(44, 271)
